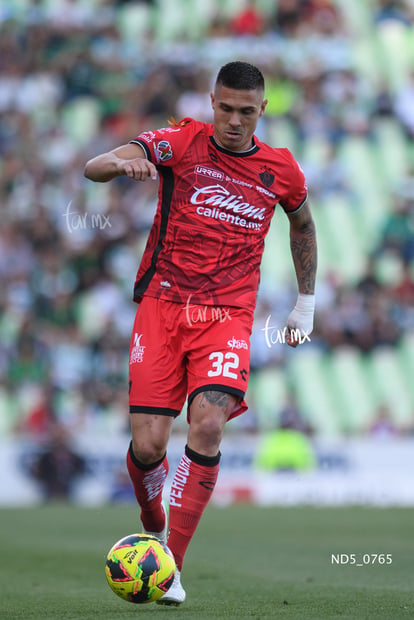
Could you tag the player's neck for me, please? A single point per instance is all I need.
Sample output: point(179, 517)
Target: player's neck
point(243, 151)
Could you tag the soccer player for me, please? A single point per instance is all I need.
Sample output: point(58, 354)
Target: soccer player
point(196, 288)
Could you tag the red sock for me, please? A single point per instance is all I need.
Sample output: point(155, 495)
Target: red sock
point(148, 482)
point(191, 490)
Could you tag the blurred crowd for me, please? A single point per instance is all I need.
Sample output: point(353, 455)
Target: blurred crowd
point(75, 82)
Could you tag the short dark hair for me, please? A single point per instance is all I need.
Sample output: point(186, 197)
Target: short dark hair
point(240, 76)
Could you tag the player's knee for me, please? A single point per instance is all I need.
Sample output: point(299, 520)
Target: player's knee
point(209, 428)
point(206, 428)
point(150, 436)
point(148, 450)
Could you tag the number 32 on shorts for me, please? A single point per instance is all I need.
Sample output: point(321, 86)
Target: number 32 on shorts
point(224, 364)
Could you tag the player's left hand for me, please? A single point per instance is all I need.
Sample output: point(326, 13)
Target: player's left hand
point(300, 320)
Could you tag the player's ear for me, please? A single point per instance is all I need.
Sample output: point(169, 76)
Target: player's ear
point(263, 107)
point(212, 100)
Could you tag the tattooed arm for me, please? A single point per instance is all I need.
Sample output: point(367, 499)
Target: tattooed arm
point(303, 248)
point(304, 254)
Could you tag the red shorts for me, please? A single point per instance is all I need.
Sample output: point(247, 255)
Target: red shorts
point(178, 351)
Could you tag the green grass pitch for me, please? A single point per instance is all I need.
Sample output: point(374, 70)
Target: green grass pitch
point(245, 562)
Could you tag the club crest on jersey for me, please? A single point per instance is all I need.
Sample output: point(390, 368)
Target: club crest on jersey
point(163, 151)
point(266, 177)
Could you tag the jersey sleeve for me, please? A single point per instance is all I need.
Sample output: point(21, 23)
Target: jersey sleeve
point(295, 190)
point(167, 145)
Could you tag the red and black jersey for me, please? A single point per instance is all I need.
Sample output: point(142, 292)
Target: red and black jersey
point(214, 211)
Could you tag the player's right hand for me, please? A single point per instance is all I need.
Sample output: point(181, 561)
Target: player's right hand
point(139, 169)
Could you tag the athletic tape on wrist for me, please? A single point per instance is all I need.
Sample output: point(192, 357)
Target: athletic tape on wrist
point(305, 303)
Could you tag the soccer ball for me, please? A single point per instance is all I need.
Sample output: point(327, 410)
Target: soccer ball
point(140, 568)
